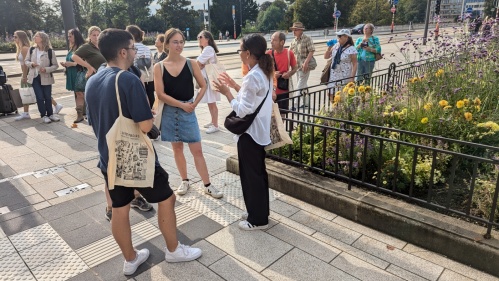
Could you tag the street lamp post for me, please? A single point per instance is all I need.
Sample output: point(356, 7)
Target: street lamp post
point(234, 19)
point(241, 15)
point(393, 10)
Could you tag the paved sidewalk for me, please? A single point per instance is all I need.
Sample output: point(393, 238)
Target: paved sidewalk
point(53, 227)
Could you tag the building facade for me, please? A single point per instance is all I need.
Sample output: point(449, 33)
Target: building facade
point(451, 10)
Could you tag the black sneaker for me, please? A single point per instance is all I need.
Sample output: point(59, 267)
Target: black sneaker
point(109, 214)
point(141, 204)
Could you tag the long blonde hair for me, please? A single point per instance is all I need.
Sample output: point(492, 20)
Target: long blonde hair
point(45, 41)
point(92, 29)
point(23, 41)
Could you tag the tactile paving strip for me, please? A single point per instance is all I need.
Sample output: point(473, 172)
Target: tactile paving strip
point(238, 202)
point(231, 192)
point(6, 248)
point(224, 178)
point(183, 213)
point(192, 194)
point(23, 276)
point(33, 236)
point(12, 266)
point(61, 268)
point(205, 204)
point(106, 248)
point(45, 252)
point(225, 214)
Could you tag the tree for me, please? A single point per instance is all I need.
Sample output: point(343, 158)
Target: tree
point(411, 11)
point(176, 13)
point(270, 19)
point(489, 10)
point(363, 12)
point(313, 13)
point(265, 5)
point(223, 11)
point(52, 18)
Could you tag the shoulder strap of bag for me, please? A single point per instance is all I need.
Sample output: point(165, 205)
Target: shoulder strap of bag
point(275, 64)
point(289, 63)
point(261, 104)
point(50, 56)
point(118, 92)
point(189, 65)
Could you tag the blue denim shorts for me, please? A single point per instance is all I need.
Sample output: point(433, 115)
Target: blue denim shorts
point(179, 126)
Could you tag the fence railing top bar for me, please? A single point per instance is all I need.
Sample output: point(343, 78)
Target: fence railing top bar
point(388, 129)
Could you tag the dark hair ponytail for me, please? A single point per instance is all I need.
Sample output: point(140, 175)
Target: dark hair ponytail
point(257, 45)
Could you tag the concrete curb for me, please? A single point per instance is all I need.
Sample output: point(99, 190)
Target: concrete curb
point(456, 239)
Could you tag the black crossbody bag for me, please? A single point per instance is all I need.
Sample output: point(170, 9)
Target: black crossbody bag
point(282, 83)
point(238, 125)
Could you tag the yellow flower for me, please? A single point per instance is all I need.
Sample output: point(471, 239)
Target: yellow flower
point(443, 103)
point(466, 102)
point(351, 91)
point(477, 101)
point(460, 104)
point(447, 107)
point(351, 84)
point(337, 98)
point(368, 89)
point(489, 125)
point(477, 107)
point(424, 120)
point(468, 116)
point(439, 73)
point(427, 106)
point(345, 89)
point(386, 114)
point(338, 93)
point(362, 89)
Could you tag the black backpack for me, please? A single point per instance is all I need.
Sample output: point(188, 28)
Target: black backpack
point(3, 76)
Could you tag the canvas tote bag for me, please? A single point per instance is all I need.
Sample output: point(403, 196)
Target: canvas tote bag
point(278, 135)
point(27, 94)
point(131, 154)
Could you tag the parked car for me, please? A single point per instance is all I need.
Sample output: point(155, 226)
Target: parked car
point(358, 29)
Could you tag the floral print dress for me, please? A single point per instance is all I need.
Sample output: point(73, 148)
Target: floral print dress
point(343, 70)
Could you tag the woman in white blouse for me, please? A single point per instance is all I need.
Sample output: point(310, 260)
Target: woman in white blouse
point(208, 55)
point(250, 145)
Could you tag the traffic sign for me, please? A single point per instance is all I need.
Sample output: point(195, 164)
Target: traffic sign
point(393, 10)
point(469, 10)
point(395, 2)
point(337, 14)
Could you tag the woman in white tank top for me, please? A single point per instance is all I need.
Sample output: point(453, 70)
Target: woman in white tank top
point(22, 49)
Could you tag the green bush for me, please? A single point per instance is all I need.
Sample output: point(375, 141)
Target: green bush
point(7, 47)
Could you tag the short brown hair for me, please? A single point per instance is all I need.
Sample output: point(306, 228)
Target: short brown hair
point(137, 33)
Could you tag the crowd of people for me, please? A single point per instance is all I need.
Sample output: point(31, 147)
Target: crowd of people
point(113, 73)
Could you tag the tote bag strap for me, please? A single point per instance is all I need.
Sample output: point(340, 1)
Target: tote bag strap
point(118, 92)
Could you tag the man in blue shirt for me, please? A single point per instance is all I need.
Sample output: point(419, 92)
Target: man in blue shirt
point(118, 49)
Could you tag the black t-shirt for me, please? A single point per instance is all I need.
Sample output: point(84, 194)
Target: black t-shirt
point(181, 87)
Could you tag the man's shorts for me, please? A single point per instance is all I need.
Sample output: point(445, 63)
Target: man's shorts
point(282, 101)
point(122, 196)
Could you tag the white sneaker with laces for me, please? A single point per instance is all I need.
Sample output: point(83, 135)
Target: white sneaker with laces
point(54, 118)
point(57, 108)
point(212, 129)
point(182, 253)
point(208, 125)
point(129, 267)
point(46, 119)
point(183, 187)
point(245, 225)
point(213, 191)
point(22, 115)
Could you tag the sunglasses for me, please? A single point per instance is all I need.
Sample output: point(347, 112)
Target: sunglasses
point(239, 51)
point(199, 37)
point(15, 36)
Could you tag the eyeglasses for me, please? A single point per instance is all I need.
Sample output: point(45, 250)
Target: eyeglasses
point(132, 48)
point(239, 51)
point(339, 36)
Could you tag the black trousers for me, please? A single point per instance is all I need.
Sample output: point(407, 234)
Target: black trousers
point(254, 179)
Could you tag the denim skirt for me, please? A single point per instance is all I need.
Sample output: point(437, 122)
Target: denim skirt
point(179, 126)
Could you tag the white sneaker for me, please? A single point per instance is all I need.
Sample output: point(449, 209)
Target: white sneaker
point(213, 191)
point(212, 129)
point(245, 225)
point(208, 125)
point(244, 216)
point(54, 118)
point(129, 267)
point(182, 253)
point(183, 187)
point(57, 108)
point(22, 115)
point(46, 119)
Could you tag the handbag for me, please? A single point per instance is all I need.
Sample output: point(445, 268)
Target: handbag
point(238, 125)
point(27, 94)
point(282, 83)
point(131, 154)
point(378, 56)
point(326, 72)
point(16, 97)
point(278, 135)
point(81, 81)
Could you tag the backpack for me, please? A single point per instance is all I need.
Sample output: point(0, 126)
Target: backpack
point(143, 63)
point(3, 76)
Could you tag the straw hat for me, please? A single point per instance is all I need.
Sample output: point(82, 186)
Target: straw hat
point(297, 25)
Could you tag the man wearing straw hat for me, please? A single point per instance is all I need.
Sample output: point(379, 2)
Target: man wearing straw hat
point(303, 48)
